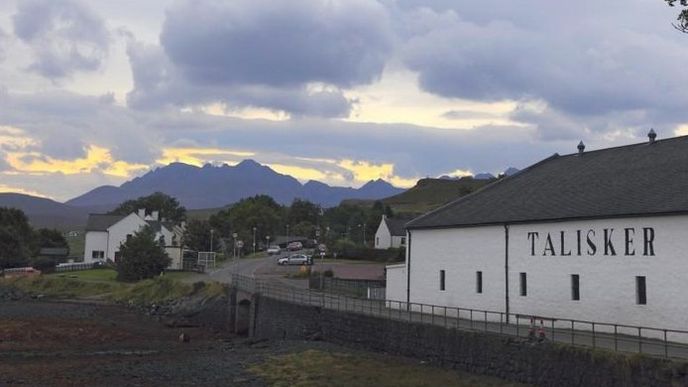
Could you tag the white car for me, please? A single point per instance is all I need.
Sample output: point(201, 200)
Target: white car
point(274, 250)
point(295, 259)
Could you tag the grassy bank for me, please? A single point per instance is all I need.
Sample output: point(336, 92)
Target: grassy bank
point(318, 368)
point(102, 284)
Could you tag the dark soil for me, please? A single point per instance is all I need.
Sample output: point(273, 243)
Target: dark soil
point(71, 343)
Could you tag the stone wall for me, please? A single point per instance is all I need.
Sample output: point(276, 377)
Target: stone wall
point(544, 364)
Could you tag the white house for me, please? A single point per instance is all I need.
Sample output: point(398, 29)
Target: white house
point(390, 233)
point(105, 233)
point(598, 236)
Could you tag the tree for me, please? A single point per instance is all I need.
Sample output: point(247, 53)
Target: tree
point(141, 257)
point(45, 237)
point(304, 211)
point(682, 18)
point(197, 236)
point(221, 222)
point(16, 238)
point(168, 207)
point(261, 212)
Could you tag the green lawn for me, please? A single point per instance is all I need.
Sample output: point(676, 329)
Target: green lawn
point(102, 283)
point(319, 368)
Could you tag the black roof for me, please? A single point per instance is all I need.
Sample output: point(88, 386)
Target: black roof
point(101, 222)
point(639, 179)
point(396, 226)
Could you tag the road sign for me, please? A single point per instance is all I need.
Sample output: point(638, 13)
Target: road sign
point(322, 247)
point(240, 244)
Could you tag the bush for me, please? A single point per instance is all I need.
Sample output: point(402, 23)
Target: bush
point(141, 257)
point(346, 249)
point(328, 273)
point(44, 264)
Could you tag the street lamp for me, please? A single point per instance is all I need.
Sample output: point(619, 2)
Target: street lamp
point(364, 229)
point(267, 237)
point(254, 240)
point(234, 237)
point(212, 232)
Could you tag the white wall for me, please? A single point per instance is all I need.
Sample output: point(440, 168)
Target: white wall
point(396, 241)
point(383, 238)
point(131, 224)
point(460, 253)
point(396, 282)
point(607, 283)
point(95, 240)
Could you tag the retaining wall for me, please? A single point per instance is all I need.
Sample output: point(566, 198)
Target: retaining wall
point(542, 364)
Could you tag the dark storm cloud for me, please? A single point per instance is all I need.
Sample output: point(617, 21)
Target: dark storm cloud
point(263, 54)
point(159, 83)
point(278, 43)
point(65, 36)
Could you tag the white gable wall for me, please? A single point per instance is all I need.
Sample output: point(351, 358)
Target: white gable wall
point(117, 233)
point(383, 238)
point(95, 241)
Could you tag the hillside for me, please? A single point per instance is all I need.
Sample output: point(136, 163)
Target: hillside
point(45, 212)
point(217, 186)
point(428, 194)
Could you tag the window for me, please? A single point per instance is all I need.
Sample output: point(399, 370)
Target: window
point(403, 240)
point(118, 254)
point(442, 280)
point(377, 241)
point(575, 287)
point(523, 284)
point(478, 281)
point(129, 236)
point(97, 254)
point(640, 291)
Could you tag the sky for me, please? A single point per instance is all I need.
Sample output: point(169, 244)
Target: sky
point(340, 91)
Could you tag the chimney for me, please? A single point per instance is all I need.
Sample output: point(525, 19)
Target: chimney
point(581, 148)
point(154, 215)
point(652, 136)
point(142, 213)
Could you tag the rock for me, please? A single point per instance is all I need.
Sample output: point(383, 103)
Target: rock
point(184, 338)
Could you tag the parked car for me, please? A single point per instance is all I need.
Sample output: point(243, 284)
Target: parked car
point(294, 246)
point(274, 250)
point(295, 259)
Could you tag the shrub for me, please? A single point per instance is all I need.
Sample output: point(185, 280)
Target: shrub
point(346, 249)
point(141, 257)
point(328, 273)
point(44, 264)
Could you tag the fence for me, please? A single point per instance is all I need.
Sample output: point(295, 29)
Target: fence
point(352, 287)
point(666, 343)
point(73, 266)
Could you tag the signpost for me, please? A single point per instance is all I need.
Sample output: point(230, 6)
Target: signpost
point(322, 248)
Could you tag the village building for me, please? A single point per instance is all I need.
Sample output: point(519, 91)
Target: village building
point(596, 236)
point(105, 234)
point(390, 233)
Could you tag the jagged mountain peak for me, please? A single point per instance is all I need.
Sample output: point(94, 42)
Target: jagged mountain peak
point(216, 186)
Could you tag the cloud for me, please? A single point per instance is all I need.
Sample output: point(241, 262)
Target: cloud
point(586, 62)
point(3, 42)
point(65, 36)
point(290, 56)
point(278, 43)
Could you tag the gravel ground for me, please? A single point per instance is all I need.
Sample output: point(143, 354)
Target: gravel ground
point(69, 343)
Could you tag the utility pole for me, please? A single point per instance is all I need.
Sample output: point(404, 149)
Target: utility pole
point(254, 240)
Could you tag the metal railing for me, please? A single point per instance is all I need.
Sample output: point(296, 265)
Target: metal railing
point(667, 343)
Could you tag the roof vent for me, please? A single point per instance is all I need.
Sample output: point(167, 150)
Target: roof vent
point(652, 135)
point(581, 148)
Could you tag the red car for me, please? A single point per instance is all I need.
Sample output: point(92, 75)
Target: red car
point(294, 246)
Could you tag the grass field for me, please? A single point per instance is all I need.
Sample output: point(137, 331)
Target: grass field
point(318, 368)
point(102, 283)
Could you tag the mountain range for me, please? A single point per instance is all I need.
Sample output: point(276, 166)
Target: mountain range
point(216, 186)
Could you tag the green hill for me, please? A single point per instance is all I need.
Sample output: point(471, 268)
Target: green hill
point(428, 194)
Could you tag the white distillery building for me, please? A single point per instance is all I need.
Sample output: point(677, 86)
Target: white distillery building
point(390, 233)
point(105, 233)
point(599, 236)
